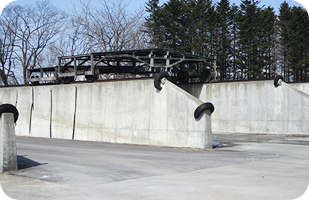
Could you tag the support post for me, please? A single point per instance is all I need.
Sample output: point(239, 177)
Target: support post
point(8, 152)
point(208, 131)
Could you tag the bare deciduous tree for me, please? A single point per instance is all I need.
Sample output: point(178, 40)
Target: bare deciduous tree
point(108, 26)
point(7, 40)
point(35, 28)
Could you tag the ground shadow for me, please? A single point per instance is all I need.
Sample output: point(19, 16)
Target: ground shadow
point(24, 163)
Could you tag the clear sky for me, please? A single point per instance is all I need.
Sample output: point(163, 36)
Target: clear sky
point(133, 4)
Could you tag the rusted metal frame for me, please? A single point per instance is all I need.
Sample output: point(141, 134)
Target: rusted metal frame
point(131, 58)
point(142, 61)
point(91, 72)
point(60, 74)
point(28, 74)
point(73, 59)
point(70, 57)
point(99, 61)
point(80, 64)
point(75, 67)
point(167, 62)
point(41, 73)
point(41, 78)
point(175, 63)
point(46, 78)
point(151, 56)
point(59, 66)
point(107, 64)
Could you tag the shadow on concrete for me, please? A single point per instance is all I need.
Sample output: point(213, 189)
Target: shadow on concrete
point(24, 163)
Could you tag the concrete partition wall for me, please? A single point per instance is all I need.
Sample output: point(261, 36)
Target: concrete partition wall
point(8, 95)
point(41, 111)
point(181, 124)
point(255, 107)
point(21, 98)
point(131, 112)
point(134, 112)
point(62, 107)
point(24, 106)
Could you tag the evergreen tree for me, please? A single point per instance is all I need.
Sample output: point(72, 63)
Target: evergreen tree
point(299, 43)
point(267, 43)
point(247, 40)
point(234, 42)
point(251, 39)
point(224, 48)
point(153, 22)
point(285, 37)
point(203, 21)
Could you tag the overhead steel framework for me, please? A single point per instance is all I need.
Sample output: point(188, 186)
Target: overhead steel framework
point(142, 62)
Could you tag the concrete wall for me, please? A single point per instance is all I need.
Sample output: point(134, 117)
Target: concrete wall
point(131, 112)
point(256, 107)
point(304, 87)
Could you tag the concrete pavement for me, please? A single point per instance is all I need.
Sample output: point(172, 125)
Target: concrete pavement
point(250, 167)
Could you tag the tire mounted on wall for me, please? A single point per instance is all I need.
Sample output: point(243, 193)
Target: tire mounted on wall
point(159, 77)
point(8, 108)
point(277, 80)
point(202, 108)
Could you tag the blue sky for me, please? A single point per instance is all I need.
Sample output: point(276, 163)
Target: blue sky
point(133, 4)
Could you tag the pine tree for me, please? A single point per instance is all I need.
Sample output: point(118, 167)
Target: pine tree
point(250, 33)
point(285, 37)
point(267, 43)
point(224, 48)
point(153, 22)
point(299, 43)
point(234, 42)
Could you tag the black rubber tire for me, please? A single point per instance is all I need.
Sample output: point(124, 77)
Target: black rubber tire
point(277, 80)
point(67, 80)
point(158, 78)
point(206, 75)
point(202, 108)
point(183, 77)
point(8, 108)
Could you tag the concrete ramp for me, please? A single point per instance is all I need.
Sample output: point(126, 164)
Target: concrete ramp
point(130, 112)
point(256, 107)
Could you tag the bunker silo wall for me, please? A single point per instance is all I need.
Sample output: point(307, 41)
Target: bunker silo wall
point(256, 107)
point(131, 112)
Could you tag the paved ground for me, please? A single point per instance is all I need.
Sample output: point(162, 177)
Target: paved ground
point(250, 167)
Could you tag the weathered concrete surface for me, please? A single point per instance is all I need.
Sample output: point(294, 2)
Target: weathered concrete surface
point(41, 112)
point(8, 153)
point(24, 102)
point(255, 107)
point(254, 167)
point(304, 87)
point(63, 111)
point(134, 112)
point(131, 112)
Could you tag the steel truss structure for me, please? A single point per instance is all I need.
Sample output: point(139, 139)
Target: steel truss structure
point(141, 62)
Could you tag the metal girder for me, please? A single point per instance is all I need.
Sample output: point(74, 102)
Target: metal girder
point(128, 61)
